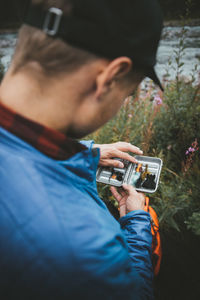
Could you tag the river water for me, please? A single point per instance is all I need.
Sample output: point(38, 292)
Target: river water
point(166, 57)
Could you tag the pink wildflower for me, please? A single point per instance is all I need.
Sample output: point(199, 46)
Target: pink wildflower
point(192, 149)
point(158, 100)
point(130, 116)
point(190, 152)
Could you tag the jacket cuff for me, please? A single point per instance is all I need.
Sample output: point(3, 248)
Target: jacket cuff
point(135, 214)
point(89, 144)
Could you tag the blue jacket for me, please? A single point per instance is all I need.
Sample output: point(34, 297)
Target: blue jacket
point(57, 238)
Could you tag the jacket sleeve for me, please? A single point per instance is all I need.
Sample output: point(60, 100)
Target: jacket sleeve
point(89, 144)
point(115, 263)
point(137, 229)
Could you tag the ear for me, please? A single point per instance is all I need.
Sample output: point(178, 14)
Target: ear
point(112, 73)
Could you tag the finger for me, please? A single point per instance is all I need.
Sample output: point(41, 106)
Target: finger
point(122, 192)
point(129, 189)
point(132, 192)
point(128, 147)
point(124, 155)
point(115, 193)
point(111, 163)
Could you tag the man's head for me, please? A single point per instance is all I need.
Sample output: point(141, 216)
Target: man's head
point(95, 49)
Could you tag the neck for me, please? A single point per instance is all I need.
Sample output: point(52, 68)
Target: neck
point(48, 102)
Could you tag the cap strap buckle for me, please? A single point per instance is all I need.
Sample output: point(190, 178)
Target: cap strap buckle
point(52, 21)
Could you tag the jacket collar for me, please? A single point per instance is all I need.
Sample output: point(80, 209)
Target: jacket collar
point(48, 141)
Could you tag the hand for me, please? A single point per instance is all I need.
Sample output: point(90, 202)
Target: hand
point(128, 198)
point(119, 149)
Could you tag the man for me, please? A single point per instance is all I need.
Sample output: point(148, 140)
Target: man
point(74, 64)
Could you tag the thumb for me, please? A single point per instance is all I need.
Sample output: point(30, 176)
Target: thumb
point(129, 188)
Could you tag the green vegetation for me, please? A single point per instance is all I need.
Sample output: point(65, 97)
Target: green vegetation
point(168, 126)
point(173, 9)
point(12, 12)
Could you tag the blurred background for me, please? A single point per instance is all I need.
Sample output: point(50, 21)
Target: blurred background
point(12, 11)
point(166, 125)
point(176, 12)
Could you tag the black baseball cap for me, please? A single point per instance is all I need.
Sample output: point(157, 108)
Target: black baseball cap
point(109, 28)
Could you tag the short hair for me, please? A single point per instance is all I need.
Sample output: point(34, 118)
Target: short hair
point(53, 55)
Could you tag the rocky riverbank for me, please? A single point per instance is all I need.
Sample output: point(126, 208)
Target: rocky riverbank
point(169, 45)
point(177, 23)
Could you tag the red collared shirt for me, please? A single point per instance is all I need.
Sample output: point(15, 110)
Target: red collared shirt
point(48, 141)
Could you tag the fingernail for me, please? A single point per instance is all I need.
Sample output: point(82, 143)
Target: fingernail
point(120, 165)
point(139, 150)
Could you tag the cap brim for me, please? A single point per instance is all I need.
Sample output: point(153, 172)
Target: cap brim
point(152, 75)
